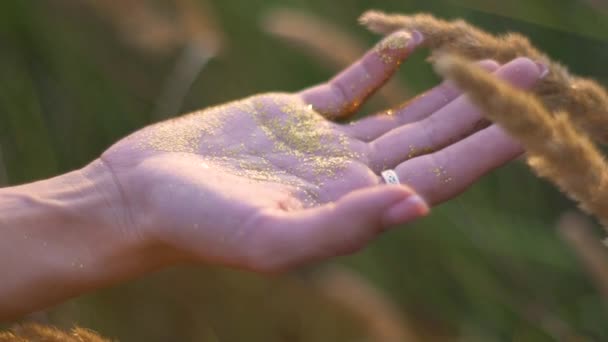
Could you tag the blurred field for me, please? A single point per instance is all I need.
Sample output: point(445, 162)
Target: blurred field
point(76, 75)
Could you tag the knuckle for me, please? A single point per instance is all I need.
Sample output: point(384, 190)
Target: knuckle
point(429, 129)
point(339, 90)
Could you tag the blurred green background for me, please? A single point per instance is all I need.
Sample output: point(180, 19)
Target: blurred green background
point(76, 75)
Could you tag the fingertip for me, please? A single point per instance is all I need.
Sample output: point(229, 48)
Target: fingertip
point(521, 72)
point(525, 66)
point(398, 44)
point(406, 210)
point(489, 64)
point(418, 37)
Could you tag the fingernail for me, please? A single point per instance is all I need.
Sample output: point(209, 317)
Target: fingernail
point(406, 210)
point(489, 65)
point(543, 68)
point(400, 40)
point(396, 41)
point(417, 37)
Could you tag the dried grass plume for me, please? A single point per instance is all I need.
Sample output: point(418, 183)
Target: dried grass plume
point(383, 320)
point(578, 233)
point(36, 333)
point(557, 150)
point(583, 99)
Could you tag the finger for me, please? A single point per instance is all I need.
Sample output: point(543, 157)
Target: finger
point(371, 127)
point(448, 125)
point(444, 174)
point(333, 229)
point(348, 90)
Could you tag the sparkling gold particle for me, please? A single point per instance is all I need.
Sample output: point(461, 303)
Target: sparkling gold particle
point(412, 153)
point(395, 42)
point(302, 133)
point(310, 198)
point(256, 169)
point(354, 105)
point(293, 127)
point(386, 58)
point(390, 44)
point(390, 112)
point(184, 134)
point(442, 175)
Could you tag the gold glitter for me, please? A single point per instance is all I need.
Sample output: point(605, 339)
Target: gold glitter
point(412, 152)
point(390, 44)
point(304, 134)
point(442, 174)
point(284, 141)
point(184, 134)
point(395, 42)
point(416, 151)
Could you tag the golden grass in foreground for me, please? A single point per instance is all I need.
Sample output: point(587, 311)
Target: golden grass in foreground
point(556, 149)
point(35, 333)
point(577, 232)
point(585, 101)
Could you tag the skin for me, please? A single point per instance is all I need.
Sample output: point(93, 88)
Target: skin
point(235, 185)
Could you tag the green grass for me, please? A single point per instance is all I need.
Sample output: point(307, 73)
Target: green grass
point(488, 266)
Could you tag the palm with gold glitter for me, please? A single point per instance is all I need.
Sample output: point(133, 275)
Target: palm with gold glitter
point(271, 181)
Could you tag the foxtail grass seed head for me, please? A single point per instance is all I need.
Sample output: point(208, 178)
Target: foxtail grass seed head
point(585, 101)
point(38, 332)
point(557, 150)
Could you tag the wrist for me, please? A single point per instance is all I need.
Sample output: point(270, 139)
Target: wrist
point(132, 250)
point(64, 236)
point(103, 201)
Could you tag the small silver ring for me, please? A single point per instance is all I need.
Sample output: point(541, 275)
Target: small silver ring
point(390, 177)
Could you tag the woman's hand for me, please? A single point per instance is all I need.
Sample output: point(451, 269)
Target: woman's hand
point(269, 182)
point(264, 183)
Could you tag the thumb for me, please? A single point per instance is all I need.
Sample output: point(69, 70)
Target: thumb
point(340, 227)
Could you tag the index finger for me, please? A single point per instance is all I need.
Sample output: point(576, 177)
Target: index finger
point(343, 94)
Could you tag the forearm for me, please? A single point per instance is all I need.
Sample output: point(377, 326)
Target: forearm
point(62, 237)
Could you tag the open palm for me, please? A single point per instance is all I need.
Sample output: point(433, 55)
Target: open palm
point(269, 182)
